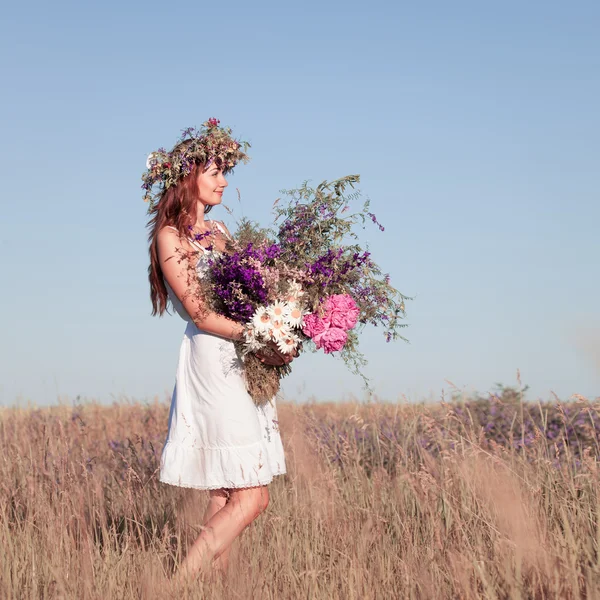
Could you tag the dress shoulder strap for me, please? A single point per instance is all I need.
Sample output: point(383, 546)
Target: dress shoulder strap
point(223, 231)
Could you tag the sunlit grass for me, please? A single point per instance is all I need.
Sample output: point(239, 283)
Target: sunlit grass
point(482, 499)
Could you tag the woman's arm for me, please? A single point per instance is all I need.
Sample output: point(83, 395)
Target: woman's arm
point(173, 254)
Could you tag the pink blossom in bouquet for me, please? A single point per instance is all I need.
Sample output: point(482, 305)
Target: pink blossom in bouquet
point(314, 325)
point(341, 311)
point(331, 340)
point(323, 333)
point(329, 331)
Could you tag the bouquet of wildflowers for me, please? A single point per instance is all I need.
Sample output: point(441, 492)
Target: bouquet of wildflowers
point(304, 283)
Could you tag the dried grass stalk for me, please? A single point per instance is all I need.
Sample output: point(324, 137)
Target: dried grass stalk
point(262, 381)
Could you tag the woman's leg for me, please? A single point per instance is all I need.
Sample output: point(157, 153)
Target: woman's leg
point(217, 500)
point(242, 507)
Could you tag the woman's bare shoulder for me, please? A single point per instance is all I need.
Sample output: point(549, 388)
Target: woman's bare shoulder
point(170, 236)
point(170, 241)
point(168, 232)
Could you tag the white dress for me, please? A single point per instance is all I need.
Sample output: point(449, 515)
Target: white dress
point(217, 436)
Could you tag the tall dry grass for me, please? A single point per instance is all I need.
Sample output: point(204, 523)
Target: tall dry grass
point(364, 512)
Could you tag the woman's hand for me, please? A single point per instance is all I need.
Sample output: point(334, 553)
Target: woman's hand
point(271, 355)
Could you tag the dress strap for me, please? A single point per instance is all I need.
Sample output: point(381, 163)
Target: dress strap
point(223, 231)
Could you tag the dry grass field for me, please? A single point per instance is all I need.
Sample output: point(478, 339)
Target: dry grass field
point(484, 498)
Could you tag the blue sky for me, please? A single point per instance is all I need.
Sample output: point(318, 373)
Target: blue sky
point(474, 128)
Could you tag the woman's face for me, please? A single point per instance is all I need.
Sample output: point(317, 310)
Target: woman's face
point(211, 184)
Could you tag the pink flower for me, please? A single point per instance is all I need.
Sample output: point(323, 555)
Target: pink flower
point(323, 333)
point(342, 311)
point(314, 325)
point(331, 340)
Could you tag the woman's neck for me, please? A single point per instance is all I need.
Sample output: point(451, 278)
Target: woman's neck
point(201, 221)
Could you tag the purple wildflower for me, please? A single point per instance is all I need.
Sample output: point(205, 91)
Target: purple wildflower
point(374, 219)
point(238, 284)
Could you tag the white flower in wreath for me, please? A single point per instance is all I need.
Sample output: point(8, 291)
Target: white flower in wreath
point(151, 160)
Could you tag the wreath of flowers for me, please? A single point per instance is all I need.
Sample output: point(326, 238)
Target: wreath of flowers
point(208, 144)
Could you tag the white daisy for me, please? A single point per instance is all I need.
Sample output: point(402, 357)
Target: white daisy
point(278, 310)
point(278, 329)
point(253, 345)
point(250, 334)
point(251, 341)
point(261, 320)
point(295, 316)
point(265, 335)
point(287, 344)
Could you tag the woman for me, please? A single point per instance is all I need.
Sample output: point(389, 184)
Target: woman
point(218, 439)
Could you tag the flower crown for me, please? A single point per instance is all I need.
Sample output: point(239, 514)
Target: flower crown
point(208, 144)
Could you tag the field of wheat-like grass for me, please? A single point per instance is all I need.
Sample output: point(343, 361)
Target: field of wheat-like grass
point(481, 498)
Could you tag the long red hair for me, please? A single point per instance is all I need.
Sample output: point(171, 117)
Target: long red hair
point(177, 207)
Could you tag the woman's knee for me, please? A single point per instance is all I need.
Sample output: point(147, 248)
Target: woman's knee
point(252, 500)
point(263, 498)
